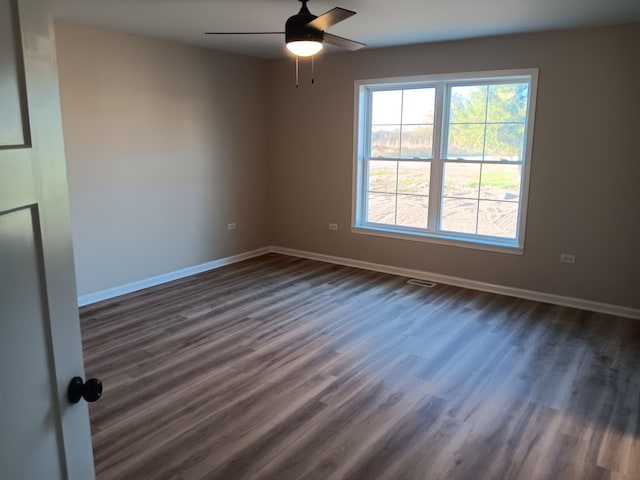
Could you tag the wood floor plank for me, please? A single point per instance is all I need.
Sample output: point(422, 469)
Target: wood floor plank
point(284, 368)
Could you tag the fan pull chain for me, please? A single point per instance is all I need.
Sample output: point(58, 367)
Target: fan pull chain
point(313, 75)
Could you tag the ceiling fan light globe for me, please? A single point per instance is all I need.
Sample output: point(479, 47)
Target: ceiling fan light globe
point(304, 48)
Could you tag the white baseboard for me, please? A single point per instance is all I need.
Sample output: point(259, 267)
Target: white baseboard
point(465, 283)
point(167, 277)
point(377, 267)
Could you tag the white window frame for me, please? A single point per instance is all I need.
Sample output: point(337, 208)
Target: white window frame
point(363, 89)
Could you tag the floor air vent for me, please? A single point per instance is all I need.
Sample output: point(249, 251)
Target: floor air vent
point(421, 283)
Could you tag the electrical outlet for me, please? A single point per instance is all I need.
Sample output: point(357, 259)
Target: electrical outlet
point(567, 258)
point(231, 226)
point(333, 226)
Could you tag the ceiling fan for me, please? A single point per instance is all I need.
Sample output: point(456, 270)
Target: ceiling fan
point(305, 32)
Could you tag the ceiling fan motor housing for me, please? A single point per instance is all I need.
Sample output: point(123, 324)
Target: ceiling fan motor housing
point(296, 29)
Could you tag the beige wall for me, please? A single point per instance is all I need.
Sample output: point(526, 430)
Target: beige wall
point(585, 179)
point(165, 146)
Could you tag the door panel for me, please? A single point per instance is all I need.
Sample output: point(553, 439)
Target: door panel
point(41, 434)
point(12, 98)
point(16, 189)
point(25, 356)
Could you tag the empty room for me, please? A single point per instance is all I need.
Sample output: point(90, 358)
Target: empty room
point(284, 239)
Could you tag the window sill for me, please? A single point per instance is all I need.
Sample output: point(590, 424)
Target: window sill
point(487, 245)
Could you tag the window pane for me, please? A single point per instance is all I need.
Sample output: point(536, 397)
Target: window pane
point(386, 107)
point(466, 141)
point(417, 141)
point(504, 141)
point(413, 177)
point(385, 141)
point(381, 208)
point(508, 103)
point(459, 215)
point(418, 105)
point(500, 182)
point(383, 176)
point(412, 211)
point(498, 219)
point(461, 180)
point(468, 104)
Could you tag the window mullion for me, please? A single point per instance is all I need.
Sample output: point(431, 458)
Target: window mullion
point(395, 218)
point(366, 160)
point(435, 182)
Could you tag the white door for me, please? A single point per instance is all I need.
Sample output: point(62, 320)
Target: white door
point(42, 436)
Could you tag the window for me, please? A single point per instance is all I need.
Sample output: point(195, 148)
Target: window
point(445, 158)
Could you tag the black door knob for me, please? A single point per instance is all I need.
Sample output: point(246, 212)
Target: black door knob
point(91, 390)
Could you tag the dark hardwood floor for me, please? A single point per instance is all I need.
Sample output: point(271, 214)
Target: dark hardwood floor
point(283, 368)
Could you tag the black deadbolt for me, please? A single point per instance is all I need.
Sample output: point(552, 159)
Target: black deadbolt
point(91, 390)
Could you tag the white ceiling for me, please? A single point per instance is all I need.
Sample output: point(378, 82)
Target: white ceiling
point(378, 23)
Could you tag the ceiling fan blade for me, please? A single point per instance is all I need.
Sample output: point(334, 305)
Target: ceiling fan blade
point(333, 16)
point(244, 33)
point(342, 42)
